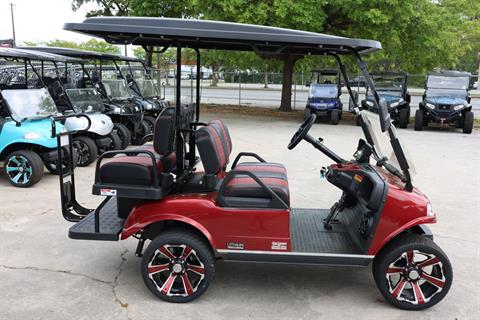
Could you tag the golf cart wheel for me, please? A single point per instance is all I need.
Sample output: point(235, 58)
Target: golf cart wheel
point(87, 150)
point(335, 117)
point(115, 143)
point(306, 113)
point(23, 168)
point(143, 130)
point(412, 272)
point(468, 122)
point(150, 121)
point(178, 266)
point(404, 118)
point(123, 133)
point(52, 166)
point(419, 120)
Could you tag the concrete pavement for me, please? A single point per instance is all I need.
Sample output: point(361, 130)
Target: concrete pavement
point(46, 275)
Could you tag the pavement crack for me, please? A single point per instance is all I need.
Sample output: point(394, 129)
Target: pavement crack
point(120, 302)
point(68, 272)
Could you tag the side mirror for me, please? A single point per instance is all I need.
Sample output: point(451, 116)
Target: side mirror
point(385, 120)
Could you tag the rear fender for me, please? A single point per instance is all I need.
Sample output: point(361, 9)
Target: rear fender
point(133, 225)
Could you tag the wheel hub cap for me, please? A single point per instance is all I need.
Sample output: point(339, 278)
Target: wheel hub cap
point(177, 267)
point(414, 274)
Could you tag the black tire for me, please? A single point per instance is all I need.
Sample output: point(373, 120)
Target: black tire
point(419, 120)
point(150, 121)
point(52, 166)
point(23, 168)
point(408, 255)
point(404, 118)
point(335, 117)
point(306, 113)
point(143, 130)
point(87, 150)
point(115, 144)
point(468, 122)
point(123, 133)
point(198, 267)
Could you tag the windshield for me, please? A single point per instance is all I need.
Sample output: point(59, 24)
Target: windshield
point(148, 88)
point(85, 100)
point(323, 91)
point(381, 140)
point(118, 89)
point(29, 104)
point(445, 82)
point(439, 94)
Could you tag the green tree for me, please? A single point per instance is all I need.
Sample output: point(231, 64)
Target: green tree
point(92, 45)
point(105, 7)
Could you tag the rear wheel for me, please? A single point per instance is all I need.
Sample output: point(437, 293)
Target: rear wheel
point(335, 117)
point(150, 121)
point(419, 120)
point(143, 130)
point(87, 150)
point(123, 133)
point(404, 118)
point(178, 266)
point(23, 168)
point(412, 272)
point(468, 122)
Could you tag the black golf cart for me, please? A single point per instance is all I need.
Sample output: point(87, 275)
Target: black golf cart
point(392, 87)
point(124, 108)
point(446, 101)
point(324, 93)
point(140, 81)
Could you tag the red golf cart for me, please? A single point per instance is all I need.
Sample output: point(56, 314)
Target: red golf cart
point(192, 217)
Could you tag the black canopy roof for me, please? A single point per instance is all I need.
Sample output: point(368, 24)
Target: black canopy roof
point(205, 34)
point(22, 53)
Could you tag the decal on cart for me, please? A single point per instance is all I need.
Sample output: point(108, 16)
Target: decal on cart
point(235, 245)
point(108, 192)
point(279, 245)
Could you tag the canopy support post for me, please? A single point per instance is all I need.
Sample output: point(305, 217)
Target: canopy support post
point(343, 70)
point(179, 138)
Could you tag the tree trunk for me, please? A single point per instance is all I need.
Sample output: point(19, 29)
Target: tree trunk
point(215, 75)
point(288, 65)
point(149, 57)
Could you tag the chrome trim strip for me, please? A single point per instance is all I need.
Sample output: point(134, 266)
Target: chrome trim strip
point(310, 254)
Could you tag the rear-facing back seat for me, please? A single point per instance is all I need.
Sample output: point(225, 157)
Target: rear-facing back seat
point(239, 190)
point(137, 170)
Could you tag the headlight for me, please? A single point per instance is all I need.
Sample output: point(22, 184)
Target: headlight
point(370, 103)
point(460, 106)
point(430, 106)
point(148, 106)
point(31, 135)
point(117, 110)
point(137, 108)
point(430, 212)
point(393, 105)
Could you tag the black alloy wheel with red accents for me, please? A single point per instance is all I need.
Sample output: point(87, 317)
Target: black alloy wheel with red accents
point(412, 272)
point(178, 266)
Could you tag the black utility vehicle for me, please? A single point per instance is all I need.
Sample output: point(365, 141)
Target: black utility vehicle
point(446, 101)
point(120, 104)
point(392, 87)
point(324, 95)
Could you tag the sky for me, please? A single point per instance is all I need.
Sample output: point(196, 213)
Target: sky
point(40, 20)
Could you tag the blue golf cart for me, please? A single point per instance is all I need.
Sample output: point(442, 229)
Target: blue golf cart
point(26, 141)
point(324, 95)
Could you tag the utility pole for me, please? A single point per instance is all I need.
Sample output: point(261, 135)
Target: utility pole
point(13, 25)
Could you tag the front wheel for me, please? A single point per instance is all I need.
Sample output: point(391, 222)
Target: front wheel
point(23, 168)
point(404, 118)
point(150, 122)
point(468, 122)
point(178, 266)
point(87, 150)
point(335, 117)
point(412, 272)
point(419, 120)
point(115, 143)
point(123, 133)
point(143, 130)
point(52, 167)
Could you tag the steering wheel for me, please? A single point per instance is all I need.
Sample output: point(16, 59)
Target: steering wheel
point(302, 131)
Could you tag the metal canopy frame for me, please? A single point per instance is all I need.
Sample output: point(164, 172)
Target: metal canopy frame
point(204, 34)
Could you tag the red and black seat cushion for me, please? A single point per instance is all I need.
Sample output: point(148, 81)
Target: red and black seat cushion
point(212, 149)
point(264, 169)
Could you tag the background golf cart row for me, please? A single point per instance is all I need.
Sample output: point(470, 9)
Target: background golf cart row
point(446, 99)
point(35, 86)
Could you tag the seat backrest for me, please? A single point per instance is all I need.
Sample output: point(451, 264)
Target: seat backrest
point(164, 132)
point(214, 146)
